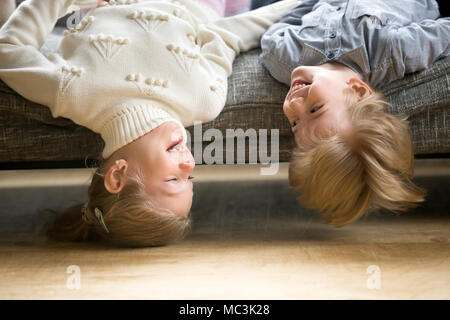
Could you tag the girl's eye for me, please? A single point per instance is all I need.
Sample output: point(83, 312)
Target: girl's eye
point(172, 147)
point(316, 109)
point(175, 179)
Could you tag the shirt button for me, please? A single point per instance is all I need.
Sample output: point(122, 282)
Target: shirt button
point(333, 35)
point(330, 55)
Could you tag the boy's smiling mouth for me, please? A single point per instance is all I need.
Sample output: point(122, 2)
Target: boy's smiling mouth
point(299, 82)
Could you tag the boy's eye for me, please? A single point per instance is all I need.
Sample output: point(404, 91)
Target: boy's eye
point(316, 109)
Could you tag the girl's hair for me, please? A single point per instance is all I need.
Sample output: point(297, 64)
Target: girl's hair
point(129, 217)
point(344, 176)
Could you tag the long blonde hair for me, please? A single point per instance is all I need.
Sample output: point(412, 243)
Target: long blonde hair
point(345, 176)
point(130, 217)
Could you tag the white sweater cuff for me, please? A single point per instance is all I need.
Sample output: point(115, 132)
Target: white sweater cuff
point(130, 123)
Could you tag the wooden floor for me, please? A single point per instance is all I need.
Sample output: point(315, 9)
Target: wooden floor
point(250, 241)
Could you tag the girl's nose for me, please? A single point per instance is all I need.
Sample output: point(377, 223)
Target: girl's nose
point(188, 164)
point(186, 169)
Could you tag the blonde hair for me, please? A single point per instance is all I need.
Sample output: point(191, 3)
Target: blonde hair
point(349, 174)
point(130, 217)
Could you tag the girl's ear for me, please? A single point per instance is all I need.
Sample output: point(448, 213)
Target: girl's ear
point(360, 88)
point(116, 176)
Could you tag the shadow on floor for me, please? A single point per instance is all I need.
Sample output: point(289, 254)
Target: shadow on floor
point(226, 210)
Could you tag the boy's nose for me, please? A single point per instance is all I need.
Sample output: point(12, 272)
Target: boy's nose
point(296, 106)
point(303, 72)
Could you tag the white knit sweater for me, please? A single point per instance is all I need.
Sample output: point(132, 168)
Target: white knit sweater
point(129, 65)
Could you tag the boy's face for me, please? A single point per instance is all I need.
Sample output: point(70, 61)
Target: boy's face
point(316, 105)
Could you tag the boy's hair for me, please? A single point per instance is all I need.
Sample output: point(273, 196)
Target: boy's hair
point(130, 217)
point(370, 166)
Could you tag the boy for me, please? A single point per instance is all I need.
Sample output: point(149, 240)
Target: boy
point(352, 156)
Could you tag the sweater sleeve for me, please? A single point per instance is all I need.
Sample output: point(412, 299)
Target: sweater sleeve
point(22, 66)
point(243, 32)
point(239, 33)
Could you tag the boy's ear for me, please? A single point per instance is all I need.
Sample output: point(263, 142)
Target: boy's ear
point(116, 177)
point(359, 87)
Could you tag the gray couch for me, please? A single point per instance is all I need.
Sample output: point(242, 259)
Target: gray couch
point(31, 138)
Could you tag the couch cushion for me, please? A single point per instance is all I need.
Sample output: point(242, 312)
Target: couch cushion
point(29, 133)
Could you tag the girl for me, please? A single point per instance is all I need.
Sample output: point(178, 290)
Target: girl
point(136, 72)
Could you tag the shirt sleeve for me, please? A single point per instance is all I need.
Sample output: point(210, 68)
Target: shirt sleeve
point(22, 66)
point(418, 45)
point(280, 50)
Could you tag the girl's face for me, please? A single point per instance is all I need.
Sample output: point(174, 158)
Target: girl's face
point(166, 165)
